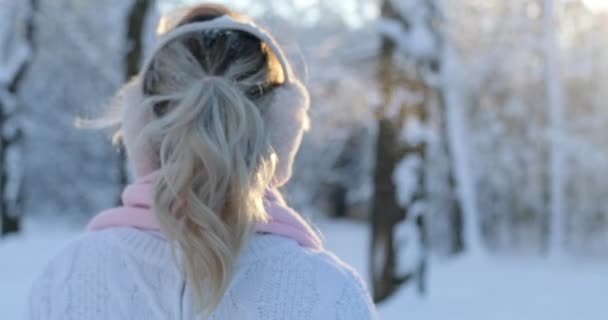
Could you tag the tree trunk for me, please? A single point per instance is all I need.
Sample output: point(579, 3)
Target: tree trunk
point(386, 213)
point(453, 202)
point(136, 26)
point(11, 205)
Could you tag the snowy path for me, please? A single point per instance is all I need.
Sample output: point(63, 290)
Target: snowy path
point(466, 288)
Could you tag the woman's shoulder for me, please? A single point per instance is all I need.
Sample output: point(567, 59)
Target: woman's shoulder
point(88, 248)
point(282, 255)
point(281, 278)
point(109, 245)
point(108, 254)
point(81, 276)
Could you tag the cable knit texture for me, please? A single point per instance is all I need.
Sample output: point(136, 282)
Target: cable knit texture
point(125, 273)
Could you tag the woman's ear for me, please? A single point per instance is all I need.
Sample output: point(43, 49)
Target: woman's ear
point(135, 116)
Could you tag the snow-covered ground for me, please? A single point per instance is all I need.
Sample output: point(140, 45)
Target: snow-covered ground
point(495, 288)
point(466, 288)
point(21, 258)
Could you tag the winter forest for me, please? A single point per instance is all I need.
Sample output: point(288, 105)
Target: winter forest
point(456, 156)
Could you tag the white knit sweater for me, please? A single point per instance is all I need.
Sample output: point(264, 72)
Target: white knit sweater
point(130, 274)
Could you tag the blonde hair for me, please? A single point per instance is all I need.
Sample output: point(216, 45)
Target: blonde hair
point(209, 91)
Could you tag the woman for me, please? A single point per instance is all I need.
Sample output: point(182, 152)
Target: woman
point(211, 126)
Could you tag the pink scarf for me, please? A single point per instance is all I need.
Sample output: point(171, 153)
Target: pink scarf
point(136, 213)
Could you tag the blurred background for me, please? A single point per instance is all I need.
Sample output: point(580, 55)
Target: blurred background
point(457, 155)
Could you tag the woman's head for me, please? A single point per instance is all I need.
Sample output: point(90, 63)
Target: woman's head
point(230, 48)
point(221, 116)
point(188, 61)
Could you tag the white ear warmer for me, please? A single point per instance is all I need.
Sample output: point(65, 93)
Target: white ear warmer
point(287, 117)
point(286, 120)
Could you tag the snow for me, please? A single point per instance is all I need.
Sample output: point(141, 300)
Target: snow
point(500, 289)
point(8, 100)
point(422, 42)
point(14, 176)
point(409, 249)
point(405, 178)
point(414, 132)
point(416, 38)
point(408, 7)
point(468, 288)
point(417, 41)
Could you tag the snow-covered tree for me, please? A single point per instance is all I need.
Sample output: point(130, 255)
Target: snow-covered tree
point(72, 172)
point(409, 64)
point(502, 49)
point(16, 53)
point(496, 46)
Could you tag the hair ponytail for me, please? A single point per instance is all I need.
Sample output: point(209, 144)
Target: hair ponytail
point(215, 165)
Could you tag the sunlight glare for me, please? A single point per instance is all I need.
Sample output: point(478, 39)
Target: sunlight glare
point(596, 5)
